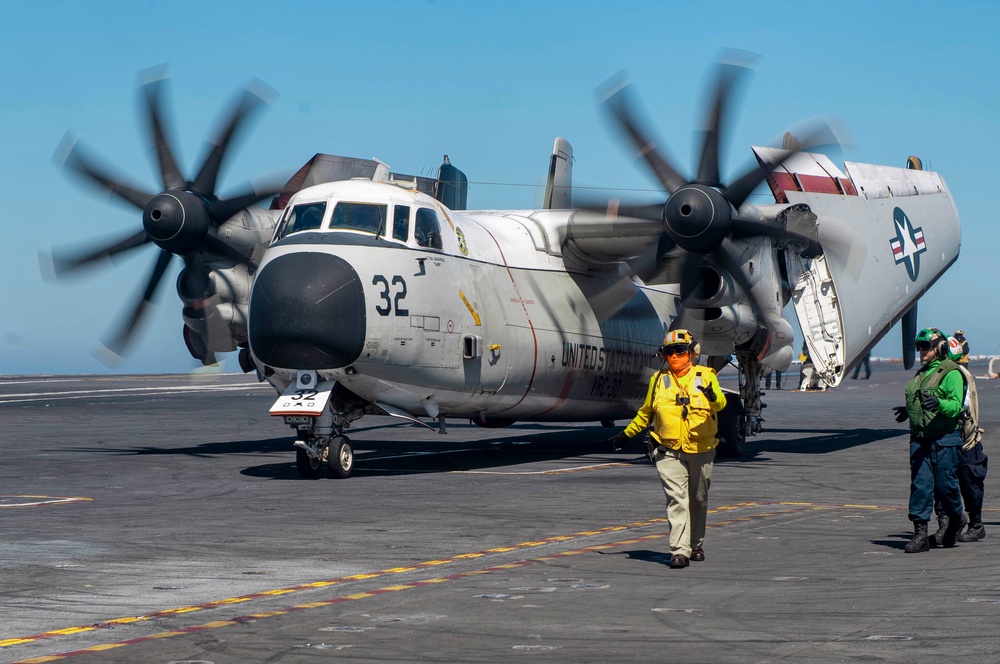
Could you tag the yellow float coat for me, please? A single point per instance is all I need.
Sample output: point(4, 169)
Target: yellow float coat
point(698, 431)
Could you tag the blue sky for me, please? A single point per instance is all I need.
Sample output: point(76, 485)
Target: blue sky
point(491, 84)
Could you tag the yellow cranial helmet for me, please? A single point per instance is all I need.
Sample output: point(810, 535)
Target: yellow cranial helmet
point(679, 341)
point(678, 337)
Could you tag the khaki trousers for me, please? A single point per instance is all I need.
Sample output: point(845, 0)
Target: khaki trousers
point(686, 478)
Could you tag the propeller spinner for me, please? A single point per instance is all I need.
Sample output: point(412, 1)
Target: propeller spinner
point(181, 220)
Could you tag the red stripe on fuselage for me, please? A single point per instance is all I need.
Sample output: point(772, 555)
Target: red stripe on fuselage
point(527, 316)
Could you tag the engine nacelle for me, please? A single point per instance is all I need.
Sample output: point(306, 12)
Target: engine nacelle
point(594, 237)
point(215, 290)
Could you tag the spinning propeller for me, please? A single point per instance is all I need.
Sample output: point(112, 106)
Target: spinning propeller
point(702, 215)
point(181, 220)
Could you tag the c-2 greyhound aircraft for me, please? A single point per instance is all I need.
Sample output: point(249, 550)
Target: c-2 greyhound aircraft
point(381, 294)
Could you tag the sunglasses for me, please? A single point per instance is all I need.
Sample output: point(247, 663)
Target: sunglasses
point(923, 345)
point(676, 349)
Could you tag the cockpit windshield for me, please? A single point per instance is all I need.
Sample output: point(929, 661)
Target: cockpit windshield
point(303, 217)
point(360, 216)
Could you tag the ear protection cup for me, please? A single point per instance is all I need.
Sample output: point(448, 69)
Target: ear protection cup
point(940, 344)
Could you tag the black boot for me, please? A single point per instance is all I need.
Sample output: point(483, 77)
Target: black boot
point(955, 525)
point(919, 543)
point(938, 537)
point(976, 531)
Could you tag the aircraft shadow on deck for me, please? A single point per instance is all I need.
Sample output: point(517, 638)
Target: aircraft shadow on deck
point(816, 441)
point(215, 448)
point(492, 452)
point(537, 443)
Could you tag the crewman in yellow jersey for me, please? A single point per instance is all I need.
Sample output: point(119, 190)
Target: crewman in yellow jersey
point(681, 407)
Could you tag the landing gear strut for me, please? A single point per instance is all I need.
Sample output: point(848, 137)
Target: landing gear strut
point(309, 459)
point(753, 406)
point(742, 417)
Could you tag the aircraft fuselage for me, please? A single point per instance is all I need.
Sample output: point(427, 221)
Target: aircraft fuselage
point(490, 325)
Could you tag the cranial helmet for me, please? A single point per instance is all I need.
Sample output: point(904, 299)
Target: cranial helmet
point(931, 338)
point(960, 337)
point(954, 349)
point(679, 340)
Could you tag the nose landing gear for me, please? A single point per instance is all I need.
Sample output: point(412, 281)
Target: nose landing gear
point(313, 453)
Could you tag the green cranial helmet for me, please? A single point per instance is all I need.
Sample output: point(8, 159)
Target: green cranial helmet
point(928, 334)
point(931, 338)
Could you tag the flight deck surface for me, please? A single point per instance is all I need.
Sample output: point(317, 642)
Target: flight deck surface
point(162, 519)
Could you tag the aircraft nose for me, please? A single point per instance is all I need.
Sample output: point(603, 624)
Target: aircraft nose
point(307, 311)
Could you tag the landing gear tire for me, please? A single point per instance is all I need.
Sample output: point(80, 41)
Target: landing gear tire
point(732, 429)
point(310, 468)
point(341, 458)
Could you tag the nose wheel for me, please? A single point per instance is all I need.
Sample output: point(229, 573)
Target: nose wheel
point(311, 456)
point(340, 457)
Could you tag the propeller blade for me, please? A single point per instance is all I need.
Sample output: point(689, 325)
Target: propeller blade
point(620, 107)
point(728, 77)
point(75, 158)
point(219, 246)
point(179, 218)
point(55, 266)
point(208, 173)
point(209, 359)
point(648, 267)
point(729, 264)
point(111, 350)
point(220, 211)
point(739, 190)
point(195, 284)
point(747, 227)
point(614, 209)
point(690, 282)
point(170, 174)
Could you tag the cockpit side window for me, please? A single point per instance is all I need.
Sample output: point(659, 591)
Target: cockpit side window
point(401, 222)
point(427, 230)
point(360, 216)
point(303, 217)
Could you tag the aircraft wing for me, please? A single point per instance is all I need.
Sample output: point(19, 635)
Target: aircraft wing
point(887, 233)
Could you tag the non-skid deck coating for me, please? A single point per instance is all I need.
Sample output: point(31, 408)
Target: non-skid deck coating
point(161, 519)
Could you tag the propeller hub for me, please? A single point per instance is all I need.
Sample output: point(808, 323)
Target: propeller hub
point(176, 221)
point(697, 218)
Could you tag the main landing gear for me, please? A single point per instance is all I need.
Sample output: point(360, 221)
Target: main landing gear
point(336, 453)
point(743, 415)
